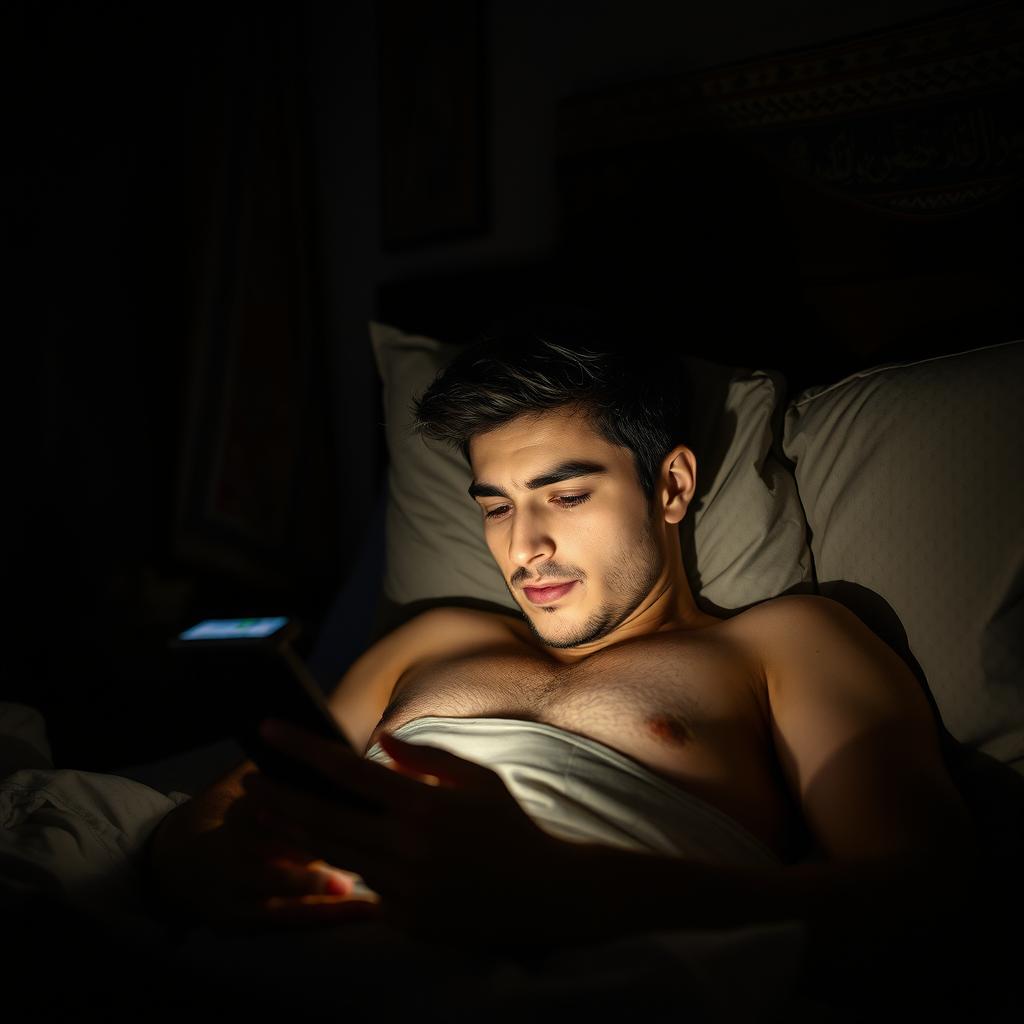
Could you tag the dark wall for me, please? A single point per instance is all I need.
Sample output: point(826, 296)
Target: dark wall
point(171, 427)
point(95, 205)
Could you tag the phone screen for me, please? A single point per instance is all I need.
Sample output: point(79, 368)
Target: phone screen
point(234, 629)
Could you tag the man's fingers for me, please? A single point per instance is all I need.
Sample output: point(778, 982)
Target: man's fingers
point(304, 910)
point(339, 834)
point(268, 875)
point(254, 838)
point(320, 910)
point(345, 769)
point(317, 878)
point(446, 767)
point(274, 801)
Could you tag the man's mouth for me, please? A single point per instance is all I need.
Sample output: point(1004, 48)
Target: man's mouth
point(549, 594)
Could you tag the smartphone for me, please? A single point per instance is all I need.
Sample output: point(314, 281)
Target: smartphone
point(257, 675)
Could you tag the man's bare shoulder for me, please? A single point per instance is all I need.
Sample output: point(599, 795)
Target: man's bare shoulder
point(805, 640)
point(780, 621)
point(796, 609)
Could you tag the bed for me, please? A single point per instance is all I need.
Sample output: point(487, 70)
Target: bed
point(857, 419)
point(861, 520)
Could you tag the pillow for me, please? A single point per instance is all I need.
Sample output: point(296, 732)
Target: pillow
point(910, 477)
point(744, 537)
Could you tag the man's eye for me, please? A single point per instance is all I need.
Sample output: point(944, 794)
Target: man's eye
point(564, 500)
point(571, 500)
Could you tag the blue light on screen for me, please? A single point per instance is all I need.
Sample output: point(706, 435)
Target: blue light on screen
point(233, 629)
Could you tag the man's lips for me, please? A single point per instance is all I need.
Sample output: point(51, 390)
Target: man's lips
point(545, 595)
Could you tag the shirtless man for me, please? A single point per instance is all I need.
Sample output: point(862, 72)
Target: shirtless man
point(790, 717)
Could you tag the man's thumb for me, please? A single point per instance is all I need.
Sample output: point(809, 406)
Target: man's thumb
point(446, 767)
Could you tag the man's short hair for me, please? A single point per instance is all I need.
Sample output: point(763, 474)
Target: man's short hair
point(537, 364)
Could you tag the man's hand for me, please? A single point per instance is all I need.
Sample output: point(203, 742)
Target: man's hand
point(448, 849)
point(213, 863)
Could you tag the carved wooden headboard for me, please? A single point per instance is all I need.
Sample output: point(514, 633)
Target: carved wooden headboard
point(814, 211)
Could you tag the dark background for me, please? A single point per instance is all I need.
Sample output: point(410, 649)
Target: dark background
point(204, 204)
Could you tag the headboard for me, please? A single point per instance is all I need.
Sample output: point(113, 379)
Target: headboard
point(815, 211)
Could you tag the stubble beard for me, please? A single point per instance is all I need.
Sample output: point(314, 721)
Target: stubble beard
point(633, 575)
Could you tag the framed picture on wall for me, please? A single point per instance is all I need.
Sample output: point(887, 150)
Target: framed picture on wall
point(432, 124)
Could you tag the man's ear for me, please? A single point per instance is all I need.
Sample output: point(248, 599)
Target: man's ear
point(677, 482)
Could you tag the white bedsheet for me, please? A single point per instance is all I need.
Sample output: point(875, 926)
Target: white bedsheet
point(581, 790)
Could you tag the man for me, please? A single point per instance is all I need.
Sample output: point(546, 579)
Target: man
point(791, 718)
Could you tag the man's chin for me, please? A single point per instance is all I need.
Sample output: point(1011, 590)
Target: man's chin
point(569, 633)
point(542, 630)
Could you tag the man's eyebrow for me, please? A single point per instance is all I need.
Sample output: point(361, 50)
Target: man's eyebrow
point(569, 470)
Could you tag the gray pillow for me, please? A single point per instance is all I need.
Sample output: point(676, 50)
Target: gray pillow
point(910, 477)
point(744, 537)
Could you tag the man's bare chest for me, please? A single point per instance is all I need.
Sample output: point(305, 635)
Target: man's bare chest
point(691, 711)
point(666, 693)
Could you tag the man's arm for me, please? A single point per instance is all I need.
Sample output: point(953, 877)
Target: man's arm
point(191, 860)
point(856, 739)
point(191, 844)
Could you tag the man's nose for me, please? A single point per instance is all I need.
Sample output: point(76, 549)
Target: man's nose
point(529, 541)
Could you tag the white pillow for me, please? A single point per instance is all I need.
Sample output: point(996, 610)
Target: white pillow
point(744, 538)
point(910, 477)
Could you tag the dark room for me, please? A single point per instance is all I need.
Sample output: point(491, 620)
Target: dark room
point(515, 511)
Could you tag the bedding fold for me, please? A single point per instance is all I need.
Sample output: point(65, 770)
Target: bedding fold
point(578, 789)
point(68, 834)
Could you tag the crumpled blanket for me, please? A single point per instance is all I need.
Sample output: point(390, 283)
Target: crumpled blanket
point(74, 836)
point(69, 834)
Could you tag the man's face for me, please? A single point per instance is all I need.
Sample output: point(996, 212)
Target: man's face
point(568, 524)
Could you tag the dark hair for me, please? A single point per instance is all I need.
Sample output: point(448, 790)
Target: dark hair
point(631, 398)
